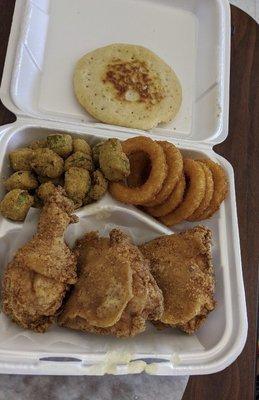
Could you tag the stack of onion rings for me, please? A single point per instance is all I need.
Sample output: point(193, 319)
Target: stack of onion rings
point(174, 162)
point(139, 169)
point(208, 194)
point(146, 192)
point(171, 202)
point(168, 188)
point(220, 189)
point(193, 196)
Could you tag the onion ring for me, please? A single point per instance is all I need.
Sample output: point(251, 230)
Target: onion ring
point(208, 194)
point(173, 201)
point(139, 169)
point(174, 162)
point(220, 188)
point(193, 195)
point(146, 192)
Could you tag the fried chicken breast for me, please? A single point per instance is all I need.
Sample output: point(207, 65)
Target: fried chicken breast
point(115, 282)
point(37, 278)
point(182, 267)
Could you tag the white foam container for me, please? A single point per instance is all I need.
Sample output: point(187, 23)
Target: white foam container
point(193, 36)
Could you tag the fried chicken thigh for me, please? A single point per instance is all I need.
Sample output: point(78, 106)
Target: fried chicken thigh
point(115, 293)
point(181, 264)
point(37, 278)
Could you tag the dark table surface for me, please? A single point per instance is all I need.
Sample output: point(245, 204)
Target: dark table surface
point(241, 148)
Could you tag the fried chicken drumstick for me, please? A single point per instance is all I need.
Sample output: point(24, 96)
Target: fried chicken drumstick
point(37, 278)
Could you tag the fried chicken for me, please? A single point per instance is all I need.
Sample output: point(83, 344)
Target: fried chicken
point(181, 264)
point(37, 278)
point(115, 293)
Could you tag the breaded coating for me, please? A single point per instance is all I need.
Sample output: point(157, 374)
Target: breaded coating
point(16, 204)
point(37, 278)
point(60, 143)
point(20, 159)
point(96, 152)
point(21, 180)
point(80, 160)
point(81, 145)
point(38, 144)
point(116, 254)
point(99, 185)
point(45, 190)
point(46, 162)
point(56, 260)
point(113, 161)
point(182, 267)
point(104, 289)
point(77, 183)
point(59, 181)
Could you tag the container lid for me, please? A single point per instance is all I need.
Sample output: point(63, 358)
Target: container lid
point(191, 36)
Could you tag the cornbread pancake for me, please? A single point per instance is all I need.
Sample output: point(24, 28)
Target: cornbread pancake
point(127, 85)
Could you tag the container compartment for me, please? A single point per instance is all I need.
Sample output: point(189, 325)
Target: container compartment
point(219, 340)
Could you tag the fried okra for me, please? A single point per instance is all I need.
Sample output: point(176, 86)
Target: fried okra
point(45, 190)
point(46, 162)
point(21, 180)
point(113, 161)
point(59, 181)
point(38, 144)
point(60, 143)
point(77, 183)
point(81, 145)
point(20, 159)
point(80, 160)
point(16, 204)
point(99, 185)
point(96, 152)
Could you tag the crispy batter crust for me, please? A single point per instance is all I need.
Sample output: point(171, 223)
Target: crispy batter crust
point(37, 278)
point(194, 194)
point(146, 192)
point(182, 267)
point(146, 302)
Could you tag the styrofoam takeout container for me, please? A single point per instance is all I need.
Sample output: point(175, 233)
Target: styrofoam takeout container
point(193, 36)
